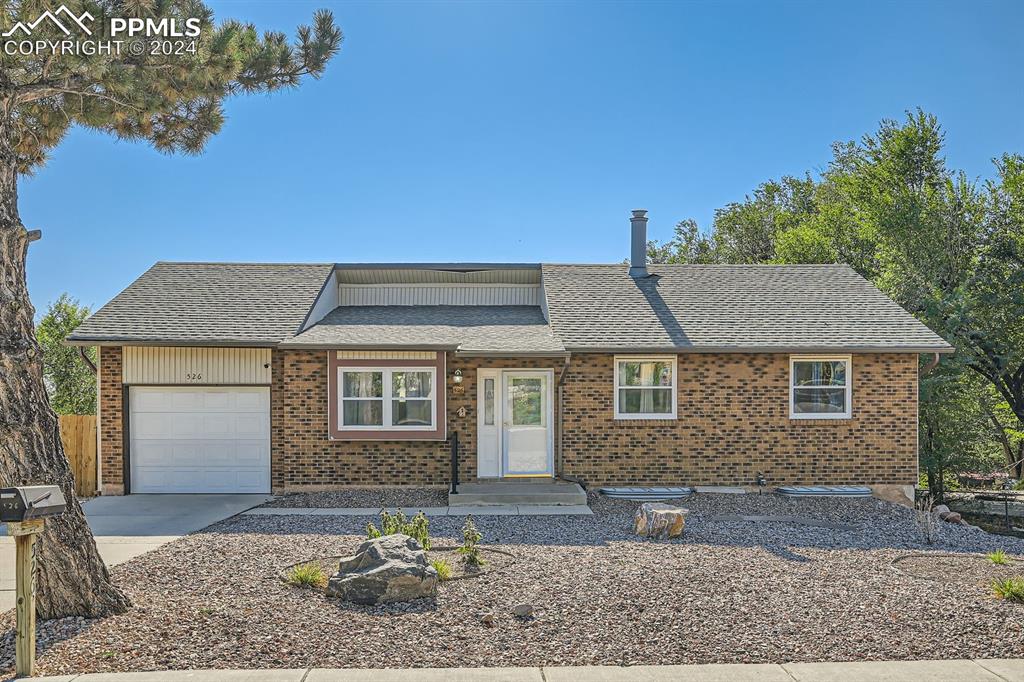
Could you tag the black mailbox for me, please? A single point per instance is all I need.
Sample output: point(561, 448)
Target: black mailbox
point(31, 502)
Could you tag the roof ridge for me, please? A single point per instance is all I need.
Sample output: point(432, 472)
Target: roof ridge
point(253, 263)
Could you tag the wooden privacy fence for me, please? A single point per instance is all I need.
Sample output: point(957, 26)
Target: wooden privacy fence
point(78, 434)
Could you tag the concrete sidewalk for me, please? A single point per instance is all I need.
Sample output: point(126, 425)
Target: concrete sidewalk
point(989, 670)
point(475, 510)
point(126, 526)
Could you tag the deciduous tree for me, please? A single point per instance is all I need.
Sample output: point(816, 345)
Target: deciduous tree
point(70, 382)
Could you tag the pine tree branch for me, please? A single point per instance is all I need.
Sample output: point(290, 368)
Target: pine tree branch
point(31, 93)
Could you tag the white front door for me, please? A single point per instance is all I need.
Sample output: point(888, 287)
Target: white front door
point(199, 439)
point(527, 434)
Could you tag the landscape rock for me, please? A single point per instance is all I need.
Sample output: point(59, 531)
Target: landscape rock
point(523, 611)
point(952, 517)
point(392, 568)
point(940, 509)
point(658, 520)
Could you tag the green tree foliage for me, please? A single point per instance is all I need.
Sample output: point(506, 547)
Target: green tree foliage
point(949, 251)
point(984, 314)
point(172, 101)
point(955, 432)
point(688, 246)
point(70, 382)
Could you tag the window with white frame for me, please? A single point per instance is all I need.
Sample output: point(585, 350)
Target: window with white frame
point(820, 387)
point(386, 398)
point(645, 387)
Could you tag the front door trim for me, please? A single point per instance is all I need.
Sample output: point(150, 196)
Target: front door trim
point(548, 376)
point(491, 453)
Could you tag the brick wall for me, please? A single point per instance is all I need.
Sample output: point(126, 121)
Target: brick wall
point(733, 421)
point(302, 455)
point(111, 420)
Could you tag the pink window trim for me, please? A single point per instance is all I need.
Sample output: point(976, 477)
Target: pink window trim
point(440, 433)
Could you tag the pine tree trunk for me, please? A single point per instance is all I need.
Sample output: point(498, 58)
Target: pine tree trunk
point(71, 578)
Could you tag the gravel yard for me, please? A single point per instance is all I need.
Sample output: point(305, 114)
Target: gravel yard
point(730, 591)
point(365, 497)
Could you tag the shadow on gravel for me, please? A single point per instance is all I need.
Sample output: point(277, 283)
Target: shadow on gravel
point(385, 610)
point(49, 633)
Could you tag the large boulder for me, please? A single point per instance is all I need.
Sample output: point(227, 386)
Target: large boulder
point(386, 569)
point(657, 520)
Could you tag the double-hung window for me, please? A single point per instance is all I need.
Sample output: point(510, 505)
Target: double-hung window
point(820, 387)
point(387, 398)
point(645, 387)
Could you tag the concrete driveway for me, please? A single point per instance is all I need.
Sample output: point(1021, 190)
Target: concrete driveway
point(130, 525)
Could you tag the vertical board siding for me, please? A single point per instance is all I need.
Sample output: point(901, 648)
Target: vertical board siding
point(78, 436)
point(386, 355)
point(200, 366)
point(440, 295)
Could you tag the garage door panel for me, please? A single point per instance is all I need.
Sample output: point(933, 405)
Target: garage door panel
point(250, 453)
point(147, 453)
point(250, 425)
point(149, 401)
point(253, 402)
point(200, 440)
point(152, 425)
point(189, 401)
point(217, 400)
point(250, 480)
point(217, 425)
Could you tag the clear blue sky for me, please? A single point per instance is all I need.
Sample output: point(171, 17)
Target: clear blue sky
point(523, 131)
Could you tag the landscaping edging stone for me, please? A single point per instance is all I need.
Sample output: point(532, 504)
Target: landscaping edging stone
point(895, 564)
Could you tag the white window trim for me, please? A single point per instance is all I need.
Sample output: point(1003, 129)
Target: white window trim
point(793, 414)
point(673, 360)
point(386, 398)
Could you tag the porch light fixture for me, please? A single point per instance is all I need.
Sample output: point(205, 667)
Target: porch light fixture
point(457, 376)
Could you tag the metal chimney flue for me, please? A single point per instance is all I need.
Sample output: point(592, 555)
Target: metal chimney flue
point(638, 244)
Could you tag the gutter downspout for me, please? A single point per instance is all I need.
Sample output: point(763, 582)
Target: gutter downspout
point(931, 365)
point(86, 360)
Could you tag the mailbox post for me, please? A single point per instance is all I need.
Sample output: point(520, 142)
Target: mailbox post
point(24, 510)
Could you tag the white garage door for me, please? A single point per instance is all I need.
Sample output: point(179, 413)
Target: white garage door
point(196, 439)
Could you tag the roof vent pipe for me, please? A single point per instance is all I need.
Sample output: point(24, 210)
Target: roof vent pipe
point(638, 244)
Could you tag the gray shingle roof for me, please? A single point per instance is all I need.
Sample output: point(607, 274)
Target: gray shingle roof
point(495, 329)
point(731, 307)
point(209, 303)
point(595, 307)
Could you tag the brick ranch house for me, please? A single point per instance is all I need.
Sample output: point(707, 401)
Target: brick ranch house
point(224, 377)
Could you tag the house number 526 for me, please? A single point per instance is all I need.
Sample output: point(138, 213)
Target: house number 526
point(194, 377)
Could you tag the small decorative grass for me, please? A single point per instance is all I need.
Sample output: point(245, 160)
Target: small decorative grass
point(443, 568)
point(307, 575)
point(1010, 589)
point(998, 557)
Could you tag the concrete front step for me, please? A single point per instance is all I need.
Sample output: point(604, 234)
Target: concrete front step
point(521, 492)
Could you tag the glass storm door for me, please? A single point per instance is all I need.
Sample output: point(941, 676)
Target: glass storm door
point(526, 426)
